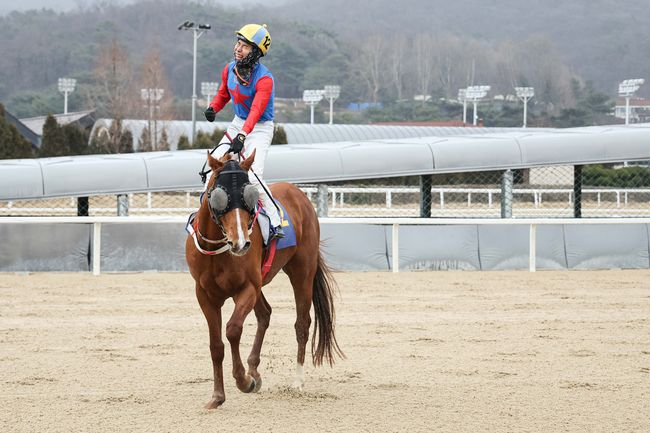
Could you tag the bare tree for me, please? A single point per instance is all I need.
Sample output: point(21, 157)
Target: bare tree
point(395, 58)
point(451, 61)
point(537, 63)
point(113, 92)
point(368, 64)
point(156, 97)
point(424, 63)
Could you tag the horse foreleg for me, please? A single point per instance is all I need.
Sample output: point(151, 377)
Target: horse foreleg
point(212, 314)
point(244, 303)
point(263, 315)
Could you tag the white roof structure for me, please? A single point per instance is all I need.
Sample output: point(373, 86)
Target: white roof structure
point(297, 133)
point(349, 160)
point(36, 123)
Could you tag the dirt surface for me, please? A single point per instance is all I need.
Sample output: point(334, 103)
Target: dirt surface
point(426, 351)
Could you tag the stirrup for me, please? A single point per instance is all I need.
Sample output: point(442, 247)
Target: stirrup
point(277, 232)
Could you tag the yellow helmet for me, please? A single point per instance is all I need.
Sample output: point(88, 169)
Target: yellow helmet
point(257, 35)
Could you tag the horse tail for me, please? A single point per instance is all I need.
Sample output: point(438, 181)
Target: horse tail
point(323, 299)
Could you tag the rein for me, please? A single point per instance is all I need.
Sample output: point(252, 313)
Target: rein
point(195, 231)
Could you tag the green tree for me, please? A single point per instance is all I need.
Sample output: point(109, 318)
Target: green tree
point(12, 144)
point(184, 143)
point(144, 143)
point(126, 142)
point(54, 142)
point(279, 136)
point(76, 139)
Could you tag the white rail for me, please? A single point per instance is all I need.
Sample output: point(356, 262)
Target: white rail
point(394, 222)
point(338, 199)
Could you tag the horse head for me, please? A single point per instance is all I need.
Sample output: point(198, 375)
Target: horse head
point(232, 199)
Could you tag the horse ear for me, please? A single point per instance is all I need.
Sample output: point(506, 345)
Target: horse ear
point(246, 164)
point(214, 163)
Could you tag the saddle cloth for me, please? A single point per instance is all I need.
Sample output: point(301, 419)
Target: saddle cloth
point(289, 239)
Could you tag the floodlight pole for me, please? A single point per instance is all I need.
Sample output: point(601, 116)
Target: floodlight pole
point(197, 31)
point(476, 93)
point(627, 88)
point(66, 85)
point(209, 89)
point(311, 98)
point(332, 92)
point(525, 93)
point(462, 95)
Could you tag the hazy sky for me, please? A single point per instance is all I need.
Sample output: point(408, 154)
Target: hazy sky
point(7, 6)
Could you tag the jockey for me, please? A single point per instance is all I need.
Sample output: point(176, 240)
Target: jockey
point(250, 86)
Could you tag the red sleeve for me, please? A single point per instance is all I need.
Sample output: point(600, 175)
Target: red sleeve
point(222, 97)
point(263, 91)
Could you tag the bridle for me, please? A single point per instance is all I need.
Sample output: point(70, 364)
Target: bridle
point(231, 190)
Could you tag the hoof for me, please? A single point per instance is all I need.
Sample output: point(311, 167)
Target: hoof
point(213, 404)
point(258, 384)
point(252, 386)
point(298, 385)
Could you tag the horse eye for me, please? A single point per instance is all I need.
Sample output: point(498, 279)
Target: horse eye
point(251, 194)
point(218, 199)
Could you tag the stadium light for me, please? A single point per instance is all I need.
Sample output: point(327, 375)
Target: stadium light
point(525, 93)
point(312, 98)
point(209, 89)
point(462, 96)
point(332, 92)
point(198, 31)
point(475, 94)
point(66, 85)
point(627, 89)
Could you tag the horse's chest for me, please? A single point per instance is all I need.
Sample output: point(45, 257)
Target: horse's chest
point(220, 285)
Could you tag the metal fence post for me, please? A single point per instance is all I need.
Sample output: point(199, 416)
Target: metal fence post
point(577, 191)
point(82, 206)
point(321, 201)
point(507, 181)
point(425, 196)
point(122, 205)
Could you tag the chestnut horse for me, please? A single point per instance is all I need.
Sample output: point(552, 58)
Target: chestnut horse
point(225, 223)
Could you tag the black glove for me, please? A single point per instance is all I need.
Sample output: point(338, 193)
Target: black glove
point(210, 114)
point(237, 144)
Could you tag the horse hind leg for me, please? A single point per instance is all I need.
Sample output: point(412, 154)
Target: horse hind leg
point(301, 278)
point(263, 314)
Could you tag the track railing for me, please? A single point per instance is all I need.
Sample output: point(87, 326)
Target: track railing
point(395, 223)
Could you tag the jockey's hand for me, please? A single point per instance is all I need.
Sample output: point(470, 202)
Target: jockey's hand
point(210, 114)
point(237, 144)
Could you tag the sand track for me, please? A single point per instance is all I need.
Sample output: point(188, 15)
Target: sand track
point(426, 351)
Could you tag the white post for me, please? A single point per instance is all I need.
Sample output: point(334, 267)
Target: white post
point(627, 110)
point(525, 110)
point(464, 111)
point(475, 115)
point(196, 38)
point(395, 246)
point(97, 247)
point(331, 111)
point(532, 247)
point(312, 114)
point(65, 102)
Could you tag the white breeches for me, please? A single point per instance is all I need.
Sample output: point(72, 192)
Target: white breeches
point(259, 140)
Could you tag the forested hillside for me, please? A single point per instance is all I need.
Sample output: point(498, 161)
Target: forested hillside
point(378, 51)
point(604, 41)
